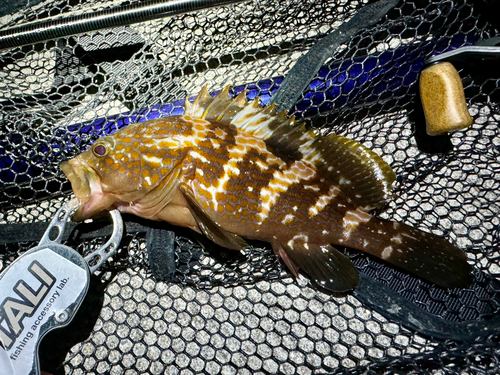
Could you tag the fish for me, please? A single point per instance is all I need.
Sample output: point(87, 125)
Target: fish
point(234, 171)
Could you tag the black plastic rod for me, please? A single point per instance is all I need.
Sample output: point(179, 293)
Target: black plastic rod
point(48, 29)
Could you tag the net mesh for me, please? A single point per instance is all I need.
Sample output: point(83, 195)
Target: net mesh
point(227, 312)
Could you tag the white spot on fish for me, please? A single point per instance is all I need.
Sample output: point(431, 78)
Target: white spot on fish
point(288, 219)
point(324, 200)
point(344, 181)
point(324, 231)
point(353, 219)
point(365, 243)
point(250, 188)
point(294, 208)
point(261, 165)
point(408, 236)
point(215, 143)
point(311, 187)
point(397, 239)
point(386, 253)
point(313, 211)
point(153, 159)
point(198, 156)
point(299, 237)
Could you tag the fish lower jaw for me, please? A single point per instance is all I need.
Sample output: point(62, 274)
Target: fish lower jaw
point(90, 208)
point(93, 203)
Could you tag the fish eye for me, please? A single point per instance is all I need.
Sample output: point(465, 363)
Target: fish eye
point(100, 150)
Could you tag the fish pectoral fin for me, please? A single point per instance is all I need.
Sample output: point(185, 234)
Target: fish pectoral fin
point(212, 230)
point(325, 266)
point(164, 191)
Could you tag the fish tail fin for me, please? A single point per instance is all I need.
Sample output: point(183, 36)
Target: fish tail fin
point(424, 254)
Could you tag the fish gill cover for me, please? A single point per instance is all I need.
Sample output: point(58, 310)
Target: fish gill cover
point(228, 312)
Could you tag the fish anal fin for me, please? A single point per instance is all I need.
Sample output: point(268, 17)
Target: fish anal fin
point(325, 266)
point(211, 229)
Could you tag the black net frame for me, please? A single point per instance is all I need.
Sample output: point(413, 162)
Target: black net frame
point(226, 312)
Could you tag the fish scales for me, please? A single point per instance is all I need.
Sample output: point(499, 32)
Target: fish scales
point(233, 170)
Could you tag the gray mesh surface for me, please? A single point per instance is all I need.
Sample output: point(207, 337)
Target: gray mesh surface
point(226, 312)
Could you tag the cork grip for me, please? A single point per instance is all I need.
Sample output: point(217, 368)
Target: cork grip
point(443, 99)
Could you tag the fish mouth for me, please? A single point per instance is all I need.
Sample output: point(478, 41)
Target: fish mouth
point(87, 188)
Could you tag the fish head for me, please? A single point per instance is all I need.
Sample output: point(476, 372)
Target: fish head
point(102, 176)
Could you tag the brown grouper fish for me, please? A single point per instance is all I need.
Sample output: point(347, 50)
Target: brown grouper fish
point(231, 170)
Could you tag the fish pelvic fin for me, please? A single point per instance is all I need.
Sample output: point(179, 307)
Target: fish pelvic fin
point(359, 172)
point(326, 267)
point(423, 254)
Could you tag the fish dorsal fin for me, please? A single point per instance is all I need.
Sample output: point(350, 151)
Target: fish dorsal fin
point(360, 173)
point(249, 117)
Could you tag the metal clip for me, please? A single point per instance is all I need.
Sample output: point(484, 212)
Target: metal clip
point(97, 258)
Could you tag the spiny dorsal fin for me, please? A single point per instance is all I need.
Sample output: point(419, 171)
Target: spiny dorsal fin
point(360, 173)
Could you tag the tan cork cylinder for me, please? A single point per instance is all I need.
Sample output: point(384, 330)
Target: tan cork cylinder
point(443, 99)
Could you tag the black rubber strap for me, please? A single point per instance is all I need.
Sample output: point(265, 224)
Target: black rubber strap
point(394, 307)
point(161, 253)
point(33, 232)
point(308, 65)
